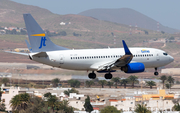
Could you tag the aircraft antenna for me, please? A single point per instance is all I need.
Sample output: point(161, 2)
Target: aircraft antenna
point(130, 30)
point(157, 26)
point(136, 28)
point(114, 40)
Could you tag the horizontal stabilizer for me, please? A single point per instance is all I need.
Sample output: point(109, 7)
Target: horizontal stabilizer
point(19, 53)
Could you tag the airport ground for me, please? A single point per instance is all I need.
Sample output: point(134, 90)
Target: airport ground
point(40, 76)
point(37, 71)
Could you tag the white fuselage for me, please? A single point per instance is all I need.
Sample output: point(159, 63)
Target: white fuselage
point(92, 59)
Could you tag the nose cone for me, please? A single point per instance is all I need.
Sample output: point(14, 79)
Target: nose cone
point(171, 59)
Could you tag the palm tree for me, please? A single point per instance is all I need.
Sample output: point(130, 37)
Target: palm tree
point(151, 84)
point(5, 81)
point(116, 80)
point(124, 81)
point(176, 107)
point(37, 105)
point(170, 80)
point(109, 84)
point(110, 109)
point(74, 83)
point(141, 109)
point(168, 86)
point(163, 78)
point(133, 79)
point(55, 82)
point(64, 108)
point(20, 102)
point(52, 102)
point(102, 83)
point(89, 83)
point(47, 94)
point(73, 90)
point(2, 107)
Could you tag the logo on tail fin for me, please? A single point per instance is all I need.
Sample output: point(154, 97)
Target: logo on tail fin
point(43, 39)
point(43, 34)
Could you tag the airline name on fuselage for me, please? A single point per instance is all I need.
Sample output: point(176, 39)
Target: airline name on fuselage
point(145, 51)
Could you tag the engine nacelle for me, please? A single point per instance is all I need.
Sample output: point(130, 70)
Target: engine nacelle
point(133, 68)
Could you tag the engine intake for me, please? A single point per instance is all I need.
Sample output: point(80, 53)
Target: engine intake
point(133, 68)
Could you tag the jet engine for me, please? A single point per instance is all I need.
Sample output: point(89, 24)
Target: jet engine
point(133, 68)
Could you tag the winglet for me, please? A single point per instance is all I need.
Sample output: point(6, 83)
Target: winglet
point(126, 49)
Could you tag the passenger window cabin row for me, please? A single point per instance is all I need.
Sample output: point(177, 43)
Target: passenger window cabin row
point(112, 56)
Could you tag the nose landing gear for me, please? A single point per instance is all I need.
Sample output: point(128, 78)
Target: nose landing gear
point(156, 73)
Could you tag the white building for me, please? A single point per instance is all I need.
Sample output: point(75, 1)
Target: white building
point(62, 23)
point(155, 105)
point(74, 95)
point(2, 32)
point(76, 101)
point(123, 104)
point(78, 104)
point(8, 95)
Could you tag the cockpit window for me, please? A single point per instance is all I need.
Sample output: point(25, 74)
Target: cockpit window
point(165, 54)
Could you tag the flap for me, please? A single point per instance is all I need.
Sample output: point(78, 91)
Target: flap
point(125, 59)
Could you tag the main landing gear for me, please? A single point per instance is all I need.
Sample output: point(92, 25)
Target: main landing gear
point(93, 75)
point(108, 76)
point(156, 73)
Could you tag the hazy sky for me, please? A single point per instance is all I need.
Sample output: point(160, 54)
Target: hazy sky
point(167, 12)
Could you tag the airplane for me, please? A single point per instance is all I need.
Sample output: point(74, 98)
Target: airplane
point(107, 60)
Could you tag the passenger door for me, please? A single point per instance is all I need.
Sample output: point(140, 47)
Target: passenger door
point(61, 59)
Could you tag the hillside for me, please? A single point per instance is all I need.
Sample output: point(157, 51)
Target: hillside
point(11, 12)
point(93, 33)
point(127, 16)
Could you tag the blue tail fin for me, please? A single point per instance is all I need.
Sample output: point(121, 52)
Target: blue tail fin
point(39, 41)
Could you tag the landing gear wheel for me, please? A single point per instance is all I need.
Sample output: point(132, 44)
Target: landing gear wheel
point(92, 75)
point(108, 76)
point(156, 73)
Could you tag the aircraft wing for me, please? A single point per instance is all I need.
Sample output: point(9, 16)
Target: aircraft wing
point(19, 53)
point(125, 59)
